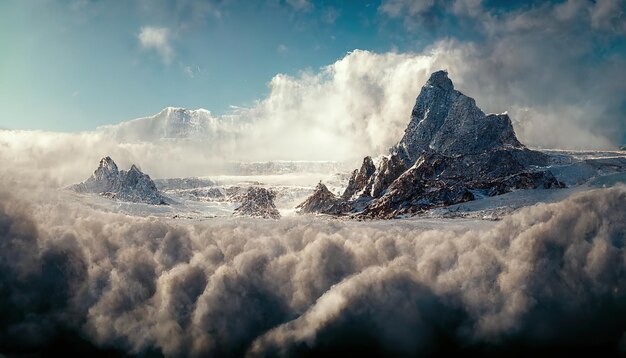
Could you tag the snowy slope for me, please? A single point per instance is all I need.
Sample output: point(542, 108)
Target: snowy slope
point(451, 152)
point(132, 185)
point(173, 123)
point(219, 196)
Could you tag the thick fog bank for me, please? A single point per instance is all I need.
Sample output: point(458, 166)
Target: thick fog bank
point(549, 277)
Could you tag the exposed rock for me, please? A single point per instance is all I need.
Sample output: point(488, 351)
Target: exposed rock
point(358, 183)
point(449, 150)
point(258, 202)
point(429, 183)
point(448, 122)
point(417, 189)
point(524, 180)
point(132, 185)
point(324, 202)
point(390, 169)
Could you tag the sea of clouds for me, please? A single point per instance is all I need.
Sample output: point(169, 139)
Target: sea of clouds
point(548, 278)
point(76, 279)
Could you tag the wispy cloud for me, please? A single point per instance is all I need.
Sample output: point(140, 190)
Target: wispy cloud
point(192, 71)
point(300, 5)
point(282, 48)
point(330, 15)
point(544, 60)
point(159, 40)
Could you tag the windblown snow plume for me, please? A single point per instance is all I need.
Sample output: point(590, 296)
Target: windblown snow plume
point(73, 279)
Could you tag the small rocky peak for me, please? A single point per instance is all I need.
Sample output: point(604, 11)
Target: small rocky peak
point(258, 202)
point(367, 168)
point(107, 165)
point(322, 189)
point(323, 201)
point(440, 79)
point(360, 179)
point(107, 171)
point(134, 168)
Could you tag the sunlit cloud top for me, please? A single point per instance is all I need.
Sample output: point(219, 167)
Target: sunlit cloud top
point(72, 66)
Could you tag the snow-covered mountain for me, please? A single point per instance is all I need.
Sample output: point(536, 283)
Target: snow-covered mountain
point(451, 152)
point(448, 122)
point(172, 123)
point(131, 185)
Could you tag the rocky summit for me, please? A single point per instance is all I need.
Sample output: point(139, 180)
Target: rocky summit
point(257, 202)
point(323, 201)
point(132, 185)
point(451, 152)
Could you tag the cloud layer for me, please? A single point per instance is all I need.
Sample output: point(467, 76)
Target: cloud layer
point(556, 67)
point(553, 67)
point(548, 277)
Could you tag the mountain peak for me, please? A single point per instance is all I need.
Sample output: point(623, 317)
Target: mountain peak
point(258, 202)
point(108, 164)
point(131, 185)
point(440, 79)
point(107, 170)
point(449, 150)
point(450, 123)
point(172, 110)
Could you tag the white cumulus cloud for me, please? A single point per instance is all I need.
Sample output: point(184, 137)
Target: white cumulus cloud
point(157, 39)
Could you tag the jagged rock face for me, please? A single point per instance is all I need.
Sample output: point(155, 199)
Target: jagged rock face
point(370, 182)
point(258, 202)
point(360, 179)
point(104, 178)
point(416, 190)
point(389, 170)
point(449, 149)
point(136, 186)
point(432, 182)
point(448, 122)
point(324, 202)
point(132, 185)
point(524, 180)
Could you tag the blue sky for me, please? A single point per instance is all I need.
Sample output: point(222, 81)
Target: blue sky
point(74, 65)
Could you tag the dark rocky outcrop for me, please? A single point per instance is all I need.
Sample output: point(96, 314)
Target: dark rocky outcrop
point(389, 170)
point(360, 182)
point(257, 202)
point(322, 201)
point(449, 151)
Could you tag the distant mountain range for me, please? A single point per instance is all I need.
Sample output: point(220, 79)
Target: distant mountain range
point(173, 123)
point(451, 152)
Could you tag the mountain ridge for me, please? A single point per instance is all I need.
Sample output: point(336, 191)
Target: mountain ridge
point(169, 123)
point(450, 152)
point(132, 185)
